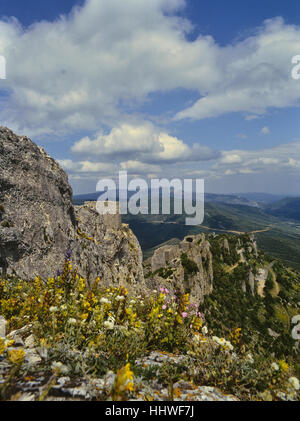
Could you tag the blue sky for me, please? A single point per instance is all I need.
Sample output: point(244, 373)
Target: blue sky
point(160, 88)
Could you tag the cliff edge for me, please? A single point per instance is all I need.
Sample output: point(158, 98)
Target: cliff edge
point(38, 222)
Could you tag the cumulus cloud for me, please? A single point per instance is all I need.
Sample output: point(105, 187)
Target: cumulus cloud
point(74, 73)
point(90, 71)
point(230, 158)
point(283, 158)
point(79, 71)
point(144, 143)
point(256, 74)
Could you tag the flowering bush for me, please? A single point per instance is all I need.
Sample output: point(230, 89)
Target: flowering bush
point(92, 330)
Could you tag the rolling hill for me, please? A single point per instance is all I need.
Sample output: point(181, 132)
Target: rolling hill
point(277, 221)
point(288, 208)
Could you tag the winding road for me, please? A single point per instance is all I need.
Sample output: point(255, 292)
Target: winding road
point(237, 232)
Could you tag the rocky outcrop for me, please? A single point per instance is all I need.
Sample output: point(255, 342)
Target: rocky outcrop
point(38, 222)
point(252, 283)
point(186, 267)
point(107, 248)
point(65, 386)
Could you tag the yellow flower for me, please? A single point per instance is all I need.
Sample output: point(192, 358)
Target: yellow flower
point(123, 381)
point(16, 356)
point(2, 346)
point(179, 319)
point(43, 343)
point(81, 285)
point(283, 366)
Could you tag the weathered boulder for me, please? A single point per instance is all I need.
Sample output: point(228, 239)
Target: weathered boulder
point(38, 222)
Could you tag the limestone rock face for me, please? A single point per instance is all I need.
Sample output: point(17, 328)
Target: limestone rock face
point(188, 266)
point(37, 218)
point(106, 248)
point(38, 222)
point(184, 267)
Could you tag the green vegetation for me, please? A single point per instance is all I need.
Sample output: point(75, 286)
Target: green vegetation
point(190, 267)
point(228, 306)
point(282, 241)
point(100, 331)
point(288, 208)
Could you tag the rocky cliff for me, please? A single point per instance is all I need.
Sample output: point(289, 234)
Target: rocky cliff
point(189, 266)
point(186, 267)
point(38, 222)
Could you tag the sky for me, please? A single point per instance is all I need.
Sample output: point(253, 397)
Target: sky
point(160, 88)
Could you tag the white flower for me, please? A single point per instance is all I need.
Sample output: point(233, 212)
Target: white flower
point(53, 309)
point(108, 325)
point(204, 330)
point(72, 321)
point(132, 302)
point(219, 341)
point(275, 366)
point(294, 382)
point(59, 367)
point(198, 340)
point(229, 345)
point(64, 307)
point(120, 298)
point(249, 358)
point(296, 319)
point(104, 301)
point(223, 342)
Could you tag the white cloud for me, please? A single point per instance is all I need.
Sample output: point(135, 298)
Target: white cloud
point(77, 72)
point(279, 159)
point(137, 168)
point(86, 167)
point(142, 142)
point(74, 73)
point(251, 117)
point(230, 158)
point(265, 130)
point(256, 74)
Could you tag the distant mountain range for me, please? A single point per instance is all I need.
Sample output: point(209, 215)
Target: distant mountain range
point(248, 199)
point(275, 218)
point(261, 197)
point(288, 208)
